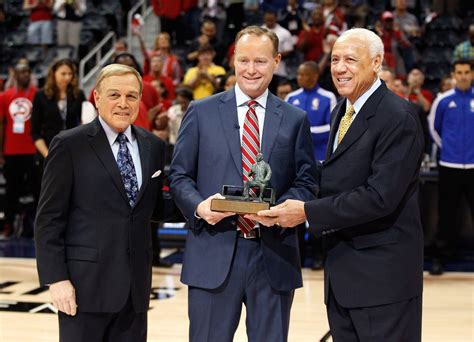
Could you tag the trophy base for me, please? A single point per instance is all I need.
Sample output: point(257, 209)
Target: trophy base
point(238, 206)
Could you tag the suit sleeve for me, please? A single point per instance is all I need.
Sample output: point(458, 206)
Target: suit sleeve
point(304, 186)
point(395, 167)
point(184, 165)
point(52, 213)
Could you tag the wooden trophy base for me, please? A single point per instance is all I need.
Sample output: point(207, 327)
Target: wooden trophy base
point(238, 206)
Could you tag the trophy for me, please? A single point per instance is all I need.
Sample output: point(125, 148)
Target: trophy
point(253, 196)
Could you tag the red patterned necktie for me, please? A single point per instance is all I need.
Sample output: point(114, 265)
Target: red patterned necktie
point(250, 148)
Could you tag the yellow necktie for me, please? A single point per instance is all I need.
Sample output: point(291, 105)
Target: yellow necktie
point(345, 123)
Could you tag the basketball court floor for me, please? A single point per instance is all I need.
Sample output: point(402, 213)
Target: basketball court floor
point(27, 316)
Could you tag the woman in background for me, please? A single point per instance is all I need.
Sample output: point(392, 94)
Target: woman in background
point(57, 106)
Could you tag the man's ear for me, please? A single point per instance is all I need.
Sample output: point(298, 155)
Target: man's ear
point(96, 97)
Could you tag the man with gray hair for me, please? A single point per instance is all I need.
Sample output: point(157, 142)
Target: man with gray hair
point(100, 189)
point(367, 208)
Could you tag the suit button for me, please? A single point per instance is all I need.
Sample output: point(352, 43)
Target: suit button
point(233, 222)
point(128, 251)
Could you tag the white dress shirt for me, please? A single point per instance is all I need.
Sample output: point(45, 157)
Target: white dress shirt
point(242, 109)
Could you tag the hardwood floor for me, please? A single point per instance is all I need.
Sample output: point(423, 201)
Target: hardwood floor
point(448, 307)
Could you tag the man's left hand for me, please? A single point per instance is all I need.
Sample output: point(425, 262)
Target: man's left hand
point(287, 214)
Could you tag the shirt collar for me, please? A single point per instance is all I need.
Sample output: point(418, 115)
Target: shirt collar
point(243, 98)
point(359, 103)
point(112, 135)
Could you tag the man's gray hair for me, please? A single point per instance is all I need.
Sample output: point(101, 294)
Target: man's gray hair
point(373, 41)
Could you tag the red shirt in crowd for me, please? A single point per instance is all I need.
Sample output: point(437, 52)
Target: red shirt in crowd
point(166, 81)
point(15, 109)
point(311, 43)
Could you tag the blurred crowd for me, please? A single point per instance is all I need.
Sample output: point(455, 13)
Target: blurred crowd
point(192, 58)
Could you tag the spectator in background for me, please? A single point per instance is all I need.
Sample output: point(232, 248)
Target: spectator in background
point(391, 38)
point(465, 50)
point(230, 80)
point(171, 67)
point(207, 36)
point(11, 80)
point(17, 149)
point(285, 46)
point(400, 88)
point(69, 14)
point(293, 17)
point(201, 77)
point(283, 89)
point(311, 37)
point(184, 96)
point(407, 22)
point(451, 124)
point(317, 103)
point(388, 77)
point(56, 107)
point(156, 73)
point(252, 12)
point(334, 17)
point(40, 28)
point(416, 93)
point(446, 83)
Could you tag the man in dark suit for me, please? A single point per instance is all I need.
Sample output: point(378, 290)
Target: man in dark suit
point(367, 208)
point(100, 189)
point(228, 259)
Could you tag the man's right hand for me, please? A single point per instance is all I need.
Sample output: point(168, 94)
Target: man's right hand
point(204, 211)
point(63, 296)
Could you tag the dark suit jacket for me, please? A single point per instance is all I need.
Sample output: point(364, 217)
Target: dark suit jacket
point(367, 210)
point(86, 231)
point(46, 119)
point(207, 155)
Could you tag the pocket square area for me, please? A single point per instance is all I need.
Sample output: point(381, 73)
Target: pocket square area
point(156, 174)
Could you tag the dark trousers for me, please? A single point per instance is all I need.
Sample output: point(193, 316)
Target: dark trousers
point(395, 322)
point(124, 326)
point(454, 184)
point(214, 314)
point(22, 178)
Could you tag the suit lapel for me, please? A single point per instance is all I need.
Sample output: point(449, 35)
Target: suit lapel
point(273, 116)
point(229, 121)
point(145, 157)
point(100, 145)
point(359, 125)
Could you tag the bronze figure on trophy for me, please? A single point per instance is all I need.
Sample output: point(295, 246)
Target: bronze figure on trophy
point(253, 196)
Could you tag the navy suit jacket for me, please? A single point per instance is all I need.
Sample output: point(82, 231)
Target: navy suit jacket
point(367, 210)
point(207, 155)
point(85, 229)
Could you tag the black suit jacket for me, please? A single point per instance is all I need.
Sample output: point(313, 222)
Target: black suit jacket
point(46, 119)
point(367, 210)
point(86, 231)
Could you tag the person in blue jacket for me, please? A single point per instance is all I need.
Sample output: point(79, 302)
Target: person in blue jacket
point(316, 102)
point(452, 125)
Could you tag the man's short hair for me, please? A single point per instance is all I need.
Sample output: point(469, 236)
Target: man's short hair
point(260, 31)
point(462, 61)
point(312, 65)
point(206, 48)
point(117, 70)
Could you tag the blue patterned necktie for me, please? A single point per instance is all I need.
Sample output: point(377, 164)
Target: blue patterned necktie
point(127, 169)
